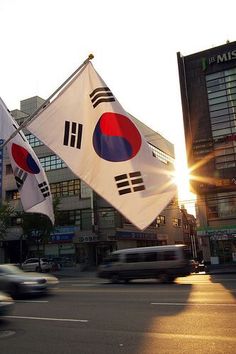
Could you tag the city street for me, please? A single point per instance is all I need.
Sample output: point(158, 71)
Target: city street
point(86, 315)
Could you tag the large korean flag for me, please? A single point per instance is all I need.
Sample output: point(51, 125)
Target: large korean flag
point(87, 127)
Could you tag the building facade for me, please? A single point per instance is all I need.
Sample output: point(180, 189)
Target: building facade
point(208, 93)
point(88, 228)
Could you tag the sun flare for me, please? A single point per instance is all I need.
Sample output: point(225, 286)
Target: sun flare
point(182, 180)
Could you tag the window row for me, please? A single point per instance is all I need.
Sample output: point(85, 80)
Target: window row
point(69, 188)
point(65, 188)
point(221, 205)
point(221, 74)
point(150, 257)
point(160, 221)
point(221, 88)
point(162, 156)
point(52, 162)
point(48, 163)
point(33, 141)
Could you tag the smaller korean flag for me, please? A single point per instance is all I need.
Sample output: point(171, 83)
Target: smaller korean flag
point(101, 144)
point(30, 177)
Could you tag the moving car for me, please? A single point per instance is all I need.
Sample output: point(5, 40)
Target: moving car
point(16, 282)
point(36, 265)
point(6, 304)
point(163, 262)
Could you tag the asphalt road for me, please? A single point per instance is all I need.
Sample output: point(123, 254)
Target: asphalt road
point(197, 314)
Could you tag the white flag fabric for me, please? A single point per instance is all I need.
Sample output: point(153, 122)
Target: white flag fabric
point(90, 131)
point(30, 177)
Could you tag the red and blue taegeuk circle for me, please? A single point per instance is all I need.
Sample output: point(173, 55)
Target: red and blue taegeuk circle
point(24, 159)
point(116, 138)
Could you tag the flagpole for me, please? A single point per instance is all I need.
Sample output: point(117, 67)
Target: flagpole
point(45, 103)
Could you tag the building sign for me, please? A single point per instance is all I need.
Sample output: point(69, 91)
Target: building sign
point(218, 59)
point(58, 238)
point(63, 234)
point(130, 235)
point(90, 238)
point(219, 234)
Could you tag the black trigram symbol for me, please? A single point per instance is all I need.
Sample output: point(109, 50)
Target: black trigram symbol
point(44, 189)
point(20, 177)
point(101, 94)
point(130, 182)
point(73, 134)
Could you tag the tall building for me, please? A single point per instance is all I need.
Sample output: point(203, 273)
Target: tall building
point(208, 93)
point(88, 226)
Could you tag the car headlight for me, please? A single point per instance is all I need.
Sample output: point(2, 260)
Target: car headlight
point(29, 283)
point(6, 299)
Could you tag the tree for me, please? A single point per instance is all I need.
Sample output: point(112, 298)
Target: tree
point(6, 212)
point(38, 227)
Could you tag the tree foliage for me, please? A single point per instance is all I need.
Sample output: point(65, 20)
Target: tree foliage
point(6, 212)
point(38, 226)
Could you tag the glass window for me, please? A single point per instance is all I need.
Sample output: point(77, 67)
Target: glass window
point(169, 255)
point(230, 71)
point(161, 220)
point(86, 219)
point(52, 162)
point(33, 141)
point(69, 217)
point(230, 78)
point(220, 113)
point(221, 205)
point(86, 191)
point(150, 257)
point(213, 76)
point(217, 107)
point(221, 125)
point(12, 195)
point(106, 218)
point(111, 259)
point(176, 222)
point(217, 100)
point(221, 132)
point(133, 257)
point(221, 87)
point(65, 188)
point(162, 156)
point(222, 118)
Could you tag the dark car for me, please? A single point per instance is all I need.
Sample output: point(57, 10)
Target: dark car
point(16, 282)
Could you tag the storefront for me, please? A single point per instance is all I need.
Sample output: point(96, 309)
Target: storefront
point(60, 245)
point(127, 238)
point(85, 243)
point(222, 245)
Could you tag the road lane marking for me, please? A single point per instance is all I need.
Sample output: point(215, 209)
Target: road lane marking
point(81, 285)
point(4, 334)
point(191, 336)
point(34, 301)
point(46, 319)
point(190, 304)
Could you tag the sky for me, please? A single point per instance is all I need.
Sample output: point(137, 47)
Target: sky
point(134, 43)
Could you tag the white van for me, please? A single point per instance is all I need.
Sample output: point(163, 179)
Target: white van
point(163, 262)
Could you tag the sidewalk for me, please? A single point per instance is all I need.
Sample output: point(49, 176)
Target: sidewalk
point(221, 269)
point(74, 272)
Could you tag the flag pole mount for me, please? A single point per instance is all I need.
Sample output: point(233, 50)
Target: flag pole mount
point(46, 102)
